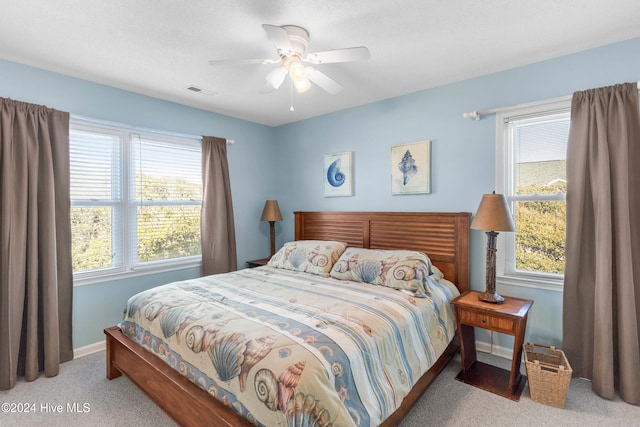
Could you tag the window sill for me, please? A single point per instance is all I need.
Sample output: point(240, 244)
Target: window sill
point(138, 272)
point(545, 283)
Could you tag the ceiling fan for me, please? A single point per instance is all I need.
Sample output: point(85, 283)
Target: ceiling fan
point(291, 42)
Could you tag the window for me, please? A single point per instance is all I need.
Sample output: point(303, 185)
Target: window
point(531, 148)
point(135, 201)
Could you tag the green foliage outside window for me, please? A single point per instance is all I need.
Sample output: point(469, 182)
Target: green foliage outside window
point(541, 227)
point(91, 238)
point(165, 231)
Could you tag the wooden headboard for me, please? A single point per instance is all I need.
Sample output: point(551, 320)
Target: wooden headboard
point(443, 236)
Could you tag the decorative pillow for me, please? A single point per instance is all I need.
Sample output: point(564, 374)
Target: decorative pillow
point(310, 256)
point(403, 270)
point(437, 274)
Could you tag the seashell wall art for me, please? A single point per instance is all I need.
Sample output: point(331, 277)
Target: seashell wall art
point(411, 168)
point(338, 174)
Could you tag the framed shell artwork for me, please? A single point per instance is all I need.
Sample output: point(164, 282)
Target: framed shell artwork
point(411, 168)
point(338, 174)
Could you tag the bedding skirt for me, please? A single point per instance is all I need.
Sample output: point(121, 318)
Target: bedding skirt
point(290, 348)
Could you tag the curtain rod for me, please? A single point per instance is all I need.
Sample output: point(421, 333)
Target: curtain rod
point(90, 120)
point(475, 115)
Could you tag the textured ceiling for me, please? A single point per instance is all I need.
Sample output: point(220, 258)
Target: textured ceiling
point(160, 47)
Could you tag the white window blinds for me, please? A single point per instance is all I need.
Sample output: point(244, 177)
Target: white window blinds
point(135, 200)
point(531, 148)
point(166, 195)
point(96, 195)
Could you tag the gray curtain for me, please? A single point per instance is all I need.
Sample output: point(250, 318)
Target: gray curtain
point(35, 242)
point(601, 328)
point(217, 228)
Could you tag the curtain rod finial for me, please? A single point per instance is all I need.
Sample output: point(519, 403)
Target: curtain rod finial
point(471, 115)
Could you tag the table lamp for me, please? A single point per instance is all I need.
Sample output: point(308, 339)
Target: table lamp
point(492, 216)
point(271, 213)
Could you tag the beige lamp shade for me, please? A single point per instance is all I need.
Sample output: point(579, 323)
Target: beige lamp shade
point(493, 214)
point(271, 211)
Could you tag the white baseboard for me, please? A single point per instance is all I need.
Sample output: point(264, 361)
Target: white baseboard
point(484, 347)
point(496, 350)
point(89, 349)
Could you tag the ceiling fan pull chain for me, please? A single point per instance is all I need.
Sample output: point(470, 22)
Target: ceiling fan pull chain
point(291, 92)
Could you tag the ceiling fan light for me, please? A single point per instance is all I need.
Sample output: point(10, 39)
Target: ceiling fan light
point(302, 85)
point(296, 71)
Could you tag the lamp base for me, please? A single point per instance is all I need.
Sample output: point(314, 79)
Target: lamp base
point(493, 298)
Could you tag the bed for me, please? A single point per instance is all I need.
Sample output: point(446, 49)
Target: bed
point(176, 384)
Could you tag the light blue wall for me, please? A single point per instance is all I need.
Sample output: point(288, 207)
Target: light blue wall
point(286, 162)
point(251, 159)
point(463, 152)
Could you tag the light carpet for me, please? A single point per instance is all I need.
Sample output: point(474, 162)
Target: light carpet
point(82, 396)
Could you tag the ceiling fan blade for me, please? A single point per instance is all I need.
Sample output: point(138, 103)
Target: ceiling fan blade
point(216, 62)
point(323, 81)
point(278, 37)
point(274, 80)
point(266, 89)
point(276, 76)
point(349, 54)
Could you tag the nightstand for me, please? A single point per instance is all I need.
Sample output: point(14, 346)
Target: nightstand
point(257, 262)
point(507, 318)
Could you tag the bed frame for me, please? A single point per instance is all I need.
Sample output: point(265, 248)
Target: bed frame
point(443, 236)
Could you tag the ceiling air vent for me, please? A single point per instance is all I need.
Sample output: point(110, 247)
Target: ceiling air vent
point(196, 89)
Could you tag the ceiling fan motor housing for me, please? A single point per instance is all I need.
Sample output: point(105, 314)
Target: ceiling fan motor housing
point(299, 38)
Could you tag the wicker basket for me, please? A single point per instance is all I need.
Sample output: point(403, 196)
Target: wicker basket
point(549, 374)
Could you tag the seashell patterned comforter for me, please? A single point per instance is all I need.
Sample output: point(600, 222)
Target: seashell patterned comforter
point(286, 348)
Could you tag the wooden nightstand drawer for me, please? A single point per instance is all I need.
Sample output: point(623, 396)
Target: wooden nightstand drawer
point(492, 322)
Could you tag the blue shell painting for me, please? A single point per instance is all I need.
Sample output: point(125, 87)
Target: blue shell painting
point(408, 167)
point(334, 176)
point(338, 175)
